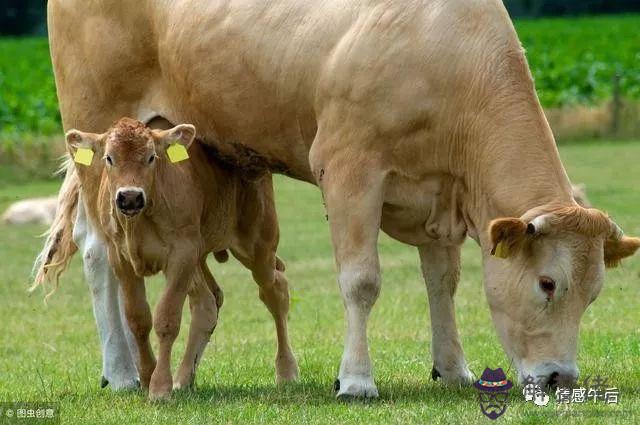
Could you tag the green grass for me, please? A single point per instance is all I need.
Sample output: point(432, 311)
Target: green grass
point(51, 352)
point(572, 59)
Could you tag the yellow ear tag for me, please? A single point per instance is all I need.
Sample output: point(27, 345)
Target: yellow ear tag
point(502, 250)
point(83, 156)
point(177, 152)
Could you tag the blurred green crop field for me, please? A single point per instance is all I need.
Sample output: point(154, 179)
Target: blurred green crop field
point(51, 353)
point(28, 102)
point(572, 60)
point(575, 60)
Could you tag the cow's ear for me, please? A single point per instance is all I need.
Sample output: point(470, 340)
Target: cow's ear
point(506, 234)
point(82, 146)
point(183, 134)
point(616, 249)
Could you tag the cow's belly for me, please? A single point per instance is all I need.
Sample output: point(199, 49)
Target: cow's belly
point(428, 209)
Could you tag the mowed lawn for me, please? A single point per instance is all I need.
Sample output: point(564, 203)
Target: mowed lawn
point(51, 353)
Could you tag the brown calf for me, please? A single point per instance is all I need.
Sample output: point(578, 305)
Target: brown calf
point(161, 216)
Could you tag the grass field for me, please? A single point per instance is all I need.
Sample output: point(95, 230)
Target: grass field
point(51, 352)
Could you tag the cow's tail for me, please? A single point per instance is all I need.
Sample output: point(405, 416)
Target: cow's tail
point(59, 246)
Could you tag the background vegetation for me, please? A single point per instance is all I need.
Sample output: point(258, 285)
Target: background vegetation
point(573, 62)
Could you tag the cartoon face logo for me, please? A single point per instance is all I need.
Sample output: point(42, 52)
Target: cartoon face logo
point(493, 392)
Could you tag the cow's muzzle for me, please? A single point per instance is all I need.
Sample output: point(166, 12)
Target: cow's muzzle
point(130, 200)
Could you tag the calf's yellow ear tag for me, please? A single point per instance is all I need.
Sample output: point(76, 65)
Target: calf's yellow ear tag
point(83, 156)
point(501, 251)
point(177, 152)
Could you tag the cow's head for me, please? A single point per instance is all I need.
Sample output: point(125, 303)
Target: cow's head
point(547, 267)
point(130, 153)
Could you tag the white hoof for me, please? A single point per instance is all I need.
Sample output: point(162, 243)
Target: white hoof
point(461, 376)
point(356, 387)
point(120, 384)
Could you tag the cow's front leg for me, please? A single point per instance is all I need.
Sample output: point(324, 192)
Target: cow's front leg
point(441, 271)
point(118, 349)
point(353, 197)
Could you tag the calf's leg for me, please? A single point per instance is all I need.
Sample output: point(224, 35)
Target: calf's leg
point(204, 316)
point(273, 290)
point(441, 271)
point(274, 293)
point(138, 314)
point(256, 249)
point(168, 315)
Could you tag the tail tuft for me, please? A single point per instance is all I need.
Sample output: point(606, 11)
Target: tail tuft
point(59, 246)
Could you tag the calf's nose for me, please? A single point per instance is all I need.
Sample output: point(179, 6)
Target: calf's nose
point(130, 201)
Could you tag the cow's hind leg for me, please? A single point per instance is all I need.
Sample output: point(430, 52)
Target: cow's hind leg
point(441, 271)
point(204, 316)
point(352, 187)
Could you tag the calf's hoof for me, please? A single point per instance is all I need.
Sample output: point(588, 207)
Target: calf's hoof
point(286, 369)
point(355, 387)
point(160, 387)
point(184, 381)
point(161, 395)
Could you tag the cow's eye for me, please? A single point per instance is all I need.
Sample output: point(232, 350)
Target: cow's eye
point(108, 159)
point(548, 286)
point(151, 159)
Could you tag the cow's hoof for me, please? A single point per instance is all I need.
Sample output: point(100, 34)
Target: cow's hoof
point(354, 388)
point(103, 382)
point(461, 377)
point(435, 374)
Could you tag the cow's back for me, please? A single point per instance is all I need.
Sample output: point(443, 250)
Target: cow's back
point(258, 78)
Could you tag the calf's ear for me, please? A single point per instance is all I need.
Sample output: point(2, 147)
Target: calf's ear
point(183, 134)
point(79, 140)
point(506, 234)
point(616, 249)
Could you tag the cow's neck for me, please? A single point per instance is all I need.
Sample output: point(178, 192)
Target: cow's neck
point(513, 166)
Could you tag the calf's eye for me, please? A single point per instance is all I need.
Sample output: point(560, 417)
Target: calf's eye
point(548, 286)
point(108, 159)
point(151, 159)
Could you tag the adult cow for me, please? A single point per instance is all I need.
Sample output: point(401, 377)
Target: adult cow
point(417, 117)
